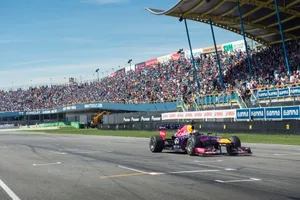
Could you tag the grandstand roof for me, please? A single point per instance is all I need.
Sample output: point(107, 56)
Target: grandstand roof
point(259, 17)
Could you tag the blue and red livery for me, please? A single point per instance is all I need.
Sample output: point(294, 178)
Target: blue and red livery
point(191, 141)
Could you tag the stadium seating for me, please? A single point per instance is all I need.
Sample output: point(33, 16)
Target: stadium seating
point(174, 80)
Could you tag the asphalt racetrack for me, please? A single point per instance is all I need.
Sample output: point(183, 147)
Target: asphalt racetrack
point(79, 167)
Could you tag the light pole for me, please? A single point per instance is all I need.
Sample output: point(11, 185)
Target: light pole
point(129, 62)
point(97, 70)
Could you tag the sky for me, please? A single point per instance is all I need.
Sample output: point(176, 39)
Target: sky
point(44, 41)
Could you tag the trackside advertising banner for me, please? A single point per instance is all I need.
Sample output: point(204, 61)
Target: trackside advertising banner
point(211, 114)
point(140, 66)
point(151, 62)
point(142, 119)
point(269, 113)
point(284, 92)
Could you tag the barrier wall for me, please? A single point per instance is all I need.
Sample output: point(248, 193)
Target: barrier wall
point(77, 125)
point(251, 127)
point(55, 124)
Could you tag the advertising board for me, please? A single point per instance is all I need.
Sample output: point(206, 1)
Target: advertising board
point(269, 113)
point(200, 114)
point(273, 93)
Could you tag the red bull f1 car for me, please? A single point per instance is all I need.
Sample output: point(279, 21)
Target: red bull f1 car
point(192, 142)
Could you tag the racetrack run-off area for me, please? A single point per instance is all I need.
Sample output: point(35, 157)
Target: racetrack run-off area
point(59, 166)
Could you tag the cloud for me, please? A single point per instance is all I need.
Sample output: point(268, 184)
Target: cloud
point(102, 2)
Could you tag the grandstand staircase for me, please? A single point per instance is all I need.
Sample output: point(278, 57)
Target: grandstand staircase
point(181, 106)
point(233, 101)
point(240, 101)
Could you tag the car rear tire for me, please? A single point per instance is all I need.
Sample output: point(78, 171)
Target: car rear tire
point(156, 144)
point(236, 143)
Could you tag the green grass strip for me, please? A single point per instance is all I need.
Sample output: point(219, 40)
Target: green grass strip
point(249, 138)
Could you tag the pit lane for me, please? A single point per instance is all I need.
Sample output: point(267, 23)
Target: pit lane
point(45, 166)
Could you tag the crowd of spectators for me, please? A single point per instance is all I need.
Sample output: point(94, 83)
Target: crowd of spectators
point(166, 81)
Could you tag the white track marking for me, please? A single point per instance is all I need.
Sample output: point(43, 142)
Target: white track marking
point(8, 191)
point(194, 171)
point(207, 161)
point(214, 166)
point(155, 173)
point(230, 169)
point(132, 169)
point(278, 154)
point(236, 181)
point(184, 172)
point(57, 163)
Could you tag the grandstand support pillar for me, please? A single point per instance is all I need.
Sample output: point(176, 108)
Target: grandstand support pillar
point(192, 56)
point(282, 38)
point(245, 41)
point(217, 55)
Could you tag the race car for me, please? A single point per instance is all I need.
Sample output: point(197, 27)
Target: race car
point(192, 142)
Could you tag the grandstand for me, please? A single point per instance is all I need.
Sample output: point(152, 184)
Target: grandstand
point(168, 83)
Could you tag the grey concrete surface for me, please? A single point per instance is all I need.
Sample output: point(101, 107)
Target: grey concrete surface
point(77, 167)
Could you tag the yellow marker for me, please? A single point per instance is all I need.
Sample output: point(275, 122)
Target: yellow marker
point(288, 127)
point(224, 126)
point(123, 175)
point(200, 126)
point(250, 127)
